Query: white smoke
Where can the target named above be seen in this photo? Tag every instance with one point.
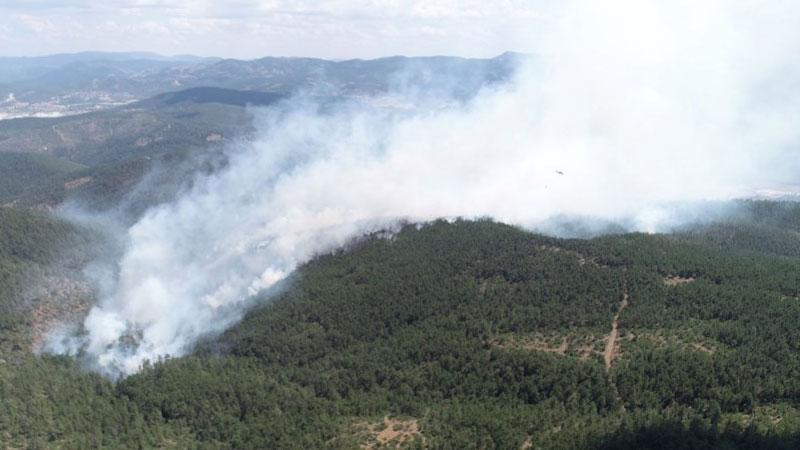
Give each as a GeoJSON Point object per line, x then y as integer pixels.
{"type": "Point", "coordinates": [632, 107]}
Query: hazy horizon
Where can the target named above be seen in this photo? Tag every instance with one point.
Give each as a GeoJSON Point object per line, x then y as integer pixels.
{"type": "Point", "coordinates": [146, 53]}
{"type": "Point", "coordinates": [247, 29]}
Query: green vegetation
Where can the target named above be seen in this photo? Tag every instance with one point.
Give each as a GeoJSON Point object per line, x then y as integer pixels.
{"type": "Point", "coordinates": [756, 226]}
{"type": "Point", "coordinates": [148, 129]}
{"type": "Point", "coordinates": [32, 247]}
{"type": "Point", "coordinates": [450, 335]}
{"type": "Point", "coordinates": [446, 336]}
{"type": "Point", "coordinates": [22, 173]}
{"type": "Point", "coordinates": [97, 159]}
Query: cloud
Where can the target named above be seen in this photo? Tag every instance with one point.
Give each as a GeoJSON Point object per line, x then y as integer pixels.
{"type": "Point", "coordinates": [353, 28]}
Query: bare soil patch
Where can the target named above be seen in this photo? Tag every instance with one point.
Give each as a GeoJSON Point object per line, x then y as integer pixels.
{"type": "Point", "coordinates": [76, 183]}
{"type": "Point", "coordinates": [685, 341]}
{"type": "Point", "coordinates": [701, 348]}
{"type": "Point", "coordinates": [534, 343]}
{"type": "Point", "coordinates": [578, 343]}
{"type": "Point", "coordinates": [390, 433]}
{"type": "Point", "coordinates": [482, 289]}
{"type": "Point", "coordinates": [675, 280]}
{"type": "Point", "coordinates": [582, 259]}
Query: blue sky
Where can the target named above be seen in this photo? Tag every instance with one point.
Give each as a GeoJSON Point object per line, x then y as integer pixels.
{"type": "Point", "coordinates": [253, 28]}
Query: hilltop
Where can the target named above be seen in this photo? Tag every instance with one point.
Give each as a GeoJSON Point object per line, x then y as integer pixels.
{"type": "Point", "coordinates": [465, 334]}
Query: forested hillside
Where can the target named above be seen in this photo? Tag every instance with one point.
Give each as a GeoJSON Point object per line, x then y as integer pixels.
{"type": "Point", "coordinates": [27, 175]}
{"type": "Point", "coordinates": [99, 159]}
{"type": "Point", "coordinates": [468, 335]}
{"type": "Point", "coordinates": [40, 258]}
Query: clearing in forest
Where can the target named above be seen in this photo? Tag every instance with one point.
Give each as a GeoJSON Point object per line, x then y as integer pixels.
{"type": "Point", "coordinates": [581, 343]}
{"type": "Point", "coordinates": [389, 433]}
{"type": "Point", "coordinates": [675, 280]}
{"type": "Point", "coordinates": [684, 339]}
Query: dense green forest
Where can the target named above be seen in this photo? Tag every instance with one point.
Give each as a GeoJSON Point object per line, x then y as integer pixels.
{"type": "Point", "coordinates": [470, 334]}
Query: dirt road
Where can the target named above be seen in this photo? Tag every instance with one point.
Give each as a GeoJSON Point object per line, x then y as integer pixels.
{"type": "Point", "coordinates": [611, 342]}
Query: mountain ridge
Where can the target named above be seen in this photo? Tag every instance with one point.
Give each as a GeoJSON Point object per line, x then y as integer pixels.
{"type": "Point", "coordinates": [67, 88]}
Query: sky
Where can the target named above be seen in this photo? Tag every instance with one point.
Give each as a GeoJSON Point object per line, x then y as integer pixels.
{"type": "Point", "coordinates": [254, 28]}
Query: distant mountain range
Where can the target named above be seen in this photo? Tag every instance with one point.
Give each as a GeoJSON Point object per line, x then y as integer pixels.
{"type": "Point", "coordinates": [88, 126]}
{"type": "Point", "coordinates": [15, 69]}
{"type": "Point", "coordinates": [75, 83]}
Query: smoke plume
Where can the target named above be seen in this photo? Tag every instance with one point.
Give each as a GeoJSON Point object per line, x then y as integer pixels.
{"type": "Point", "coordinates": [630, 111]}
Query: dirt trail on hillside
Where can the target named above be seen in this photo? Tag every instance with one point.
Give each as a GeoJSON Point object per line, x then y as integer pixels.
{"type": "Point", "coordinates": [611, 343]}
